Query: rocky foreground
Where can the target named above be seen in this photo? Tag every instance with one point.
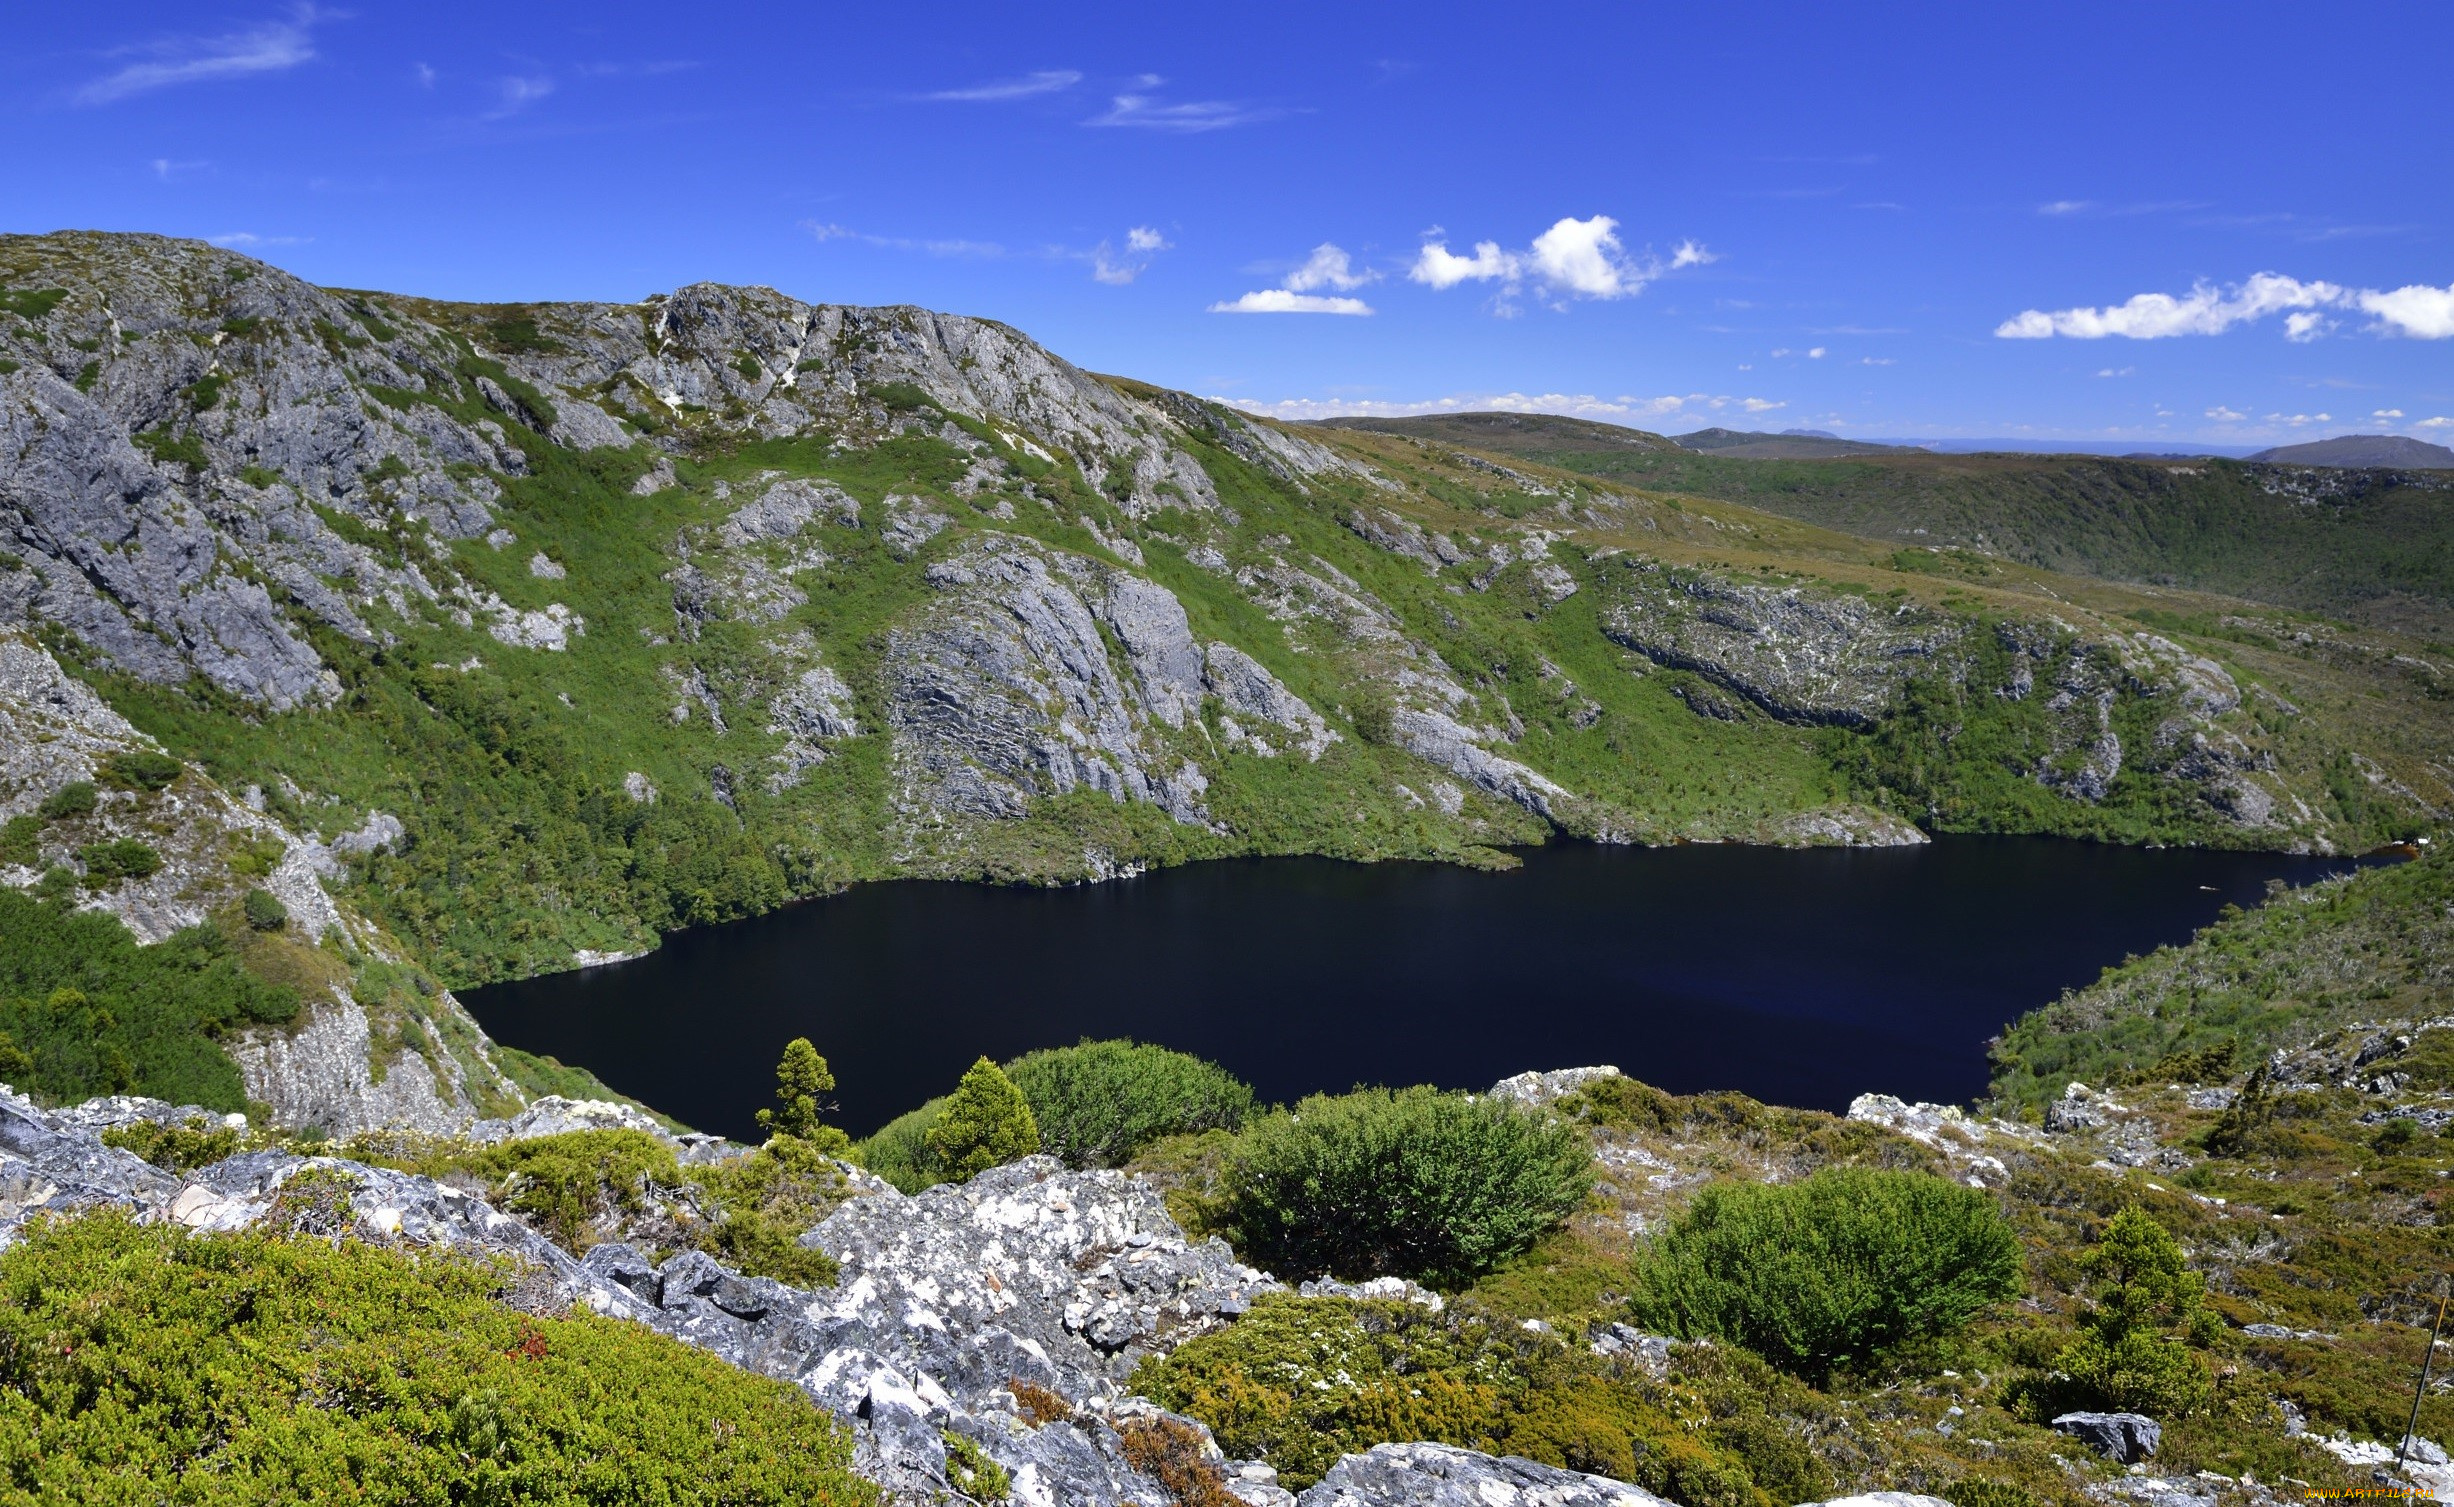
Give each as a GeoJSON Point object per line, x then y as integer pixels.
{"type": "Point", "coordinates": [1008, 1311]}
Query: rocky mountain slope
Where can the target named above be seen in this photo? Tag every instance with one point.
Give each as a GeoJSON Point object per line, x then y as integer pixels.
{"type": "Point", "coordinates": [528, 632]}
{"type": "Point", "coordinates": [2364, 450]}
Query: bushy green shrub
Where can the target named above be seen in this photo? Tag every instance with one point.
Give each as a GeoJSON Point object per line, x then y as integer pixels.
{"type": "Point", "coordinates": [77, 798]}
{"type": "Point", "coordinates": [986, 1123]}
{"type": "Point", "coordinates": [21, 840]}
{"type": "Point", "coordinates": [141, 769]}
{"type": "Point", "coordinates": [175, 1148]}
{"type": "Point", "coordinates": [2134, 1355]}
{"type": "Point", "coordinates": [144, 1363]}
{"type": "Point", "coordinates": [107, 863]}
{"type": "Point", "coordinates": [1832, 1270]}
{"type": "Point", "coordinates": [1100, 1103]}
{"type": "Point", "coordinates": [264, 910]}
{"type": "Point", "coordinates": [1413, 1183]}
{"type": "Point", "coordinates": [899, 1150]}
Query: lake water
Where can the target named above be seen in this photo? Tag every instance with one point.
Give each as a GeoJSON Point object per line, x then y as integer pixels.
{"type": "Point", "coordinates": [1802, 978]}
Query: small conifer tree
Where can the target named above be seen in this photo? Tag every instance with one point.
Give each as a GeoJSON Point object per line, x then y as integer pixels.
{"type": "Point", "coordinates": [801, 1085]}
{"type": "Point", "coordinates": [2150, 1309]}
{"type": "Point", "coordinates": [987, 1123]}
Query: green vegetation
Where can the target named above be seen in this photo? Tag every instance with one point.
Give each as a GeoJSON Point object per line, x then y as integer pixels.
{"type": "Point", "coordinates": [971, 1472]}
{"type": "Point", "coordinates": [2134, 1352]}
{"type": "Point", "coordinates": [98, 1014]}
{"type": "Point", "coordinates": [146, 1363]}
{"type": "Point", "coordinates": [2372, 541]}
{"type": "Point", "coordinates": [107, 863]}
{"type": "Point", "coordinates": [802, 1083]}
{"type": "Point", "coordinates": [264, 911]}
{"type": "Point", "coordinates": [1300, 1381]}
{"type": "Point", "coordinates": [899, 1150]}
{"type": "Point", "coordinates": [140, 769]}
{"type": "Point", "coordinates": [2364, 947]}
{"type": "Point", "coordinates": [585, 1187]}
{"type": "Point", "coordinates": [986, 1123]}
{"type": "Point", "coordinates": [1831, 1271]}
{"type": "Point", "coordinates": [31, 303]}
{"type": "Point", "coordinates": [1098, 1104]}
{"type": "Point", "coordinates": [175, 1148]}
{"type": "Point", "coordinates": [1413, 1183]}
{"type": "Point", "coordinates": [76, 798]}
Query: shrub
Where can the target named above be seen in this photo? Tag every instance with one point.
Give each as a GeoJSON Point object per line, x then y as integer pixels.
{"type": "Point", "coordinates": [899, 1150]}
{"type": "Point", "coordinates": [1412, 1183]}
{"type": "Point", "coordinates": [141, 769]}
{"type": "Point", "coordinates": [264, 910]}
{"type": "Point", "coordinates": [73, 799]}
{"type": "Point", "coordinates": [1832, 1270]}
{"type": "Point", "coordinates": [971, 1472]}
{"type": "Point", "coordinates": [1170, 1452]}
{"type": "Point", "coordinates": [20, 840]}
{"type": "Point", "coordinates": [107, 863]}
{"type": "Point", "coordinates": [986, 1123]}
{"type": "Point", "coordinates": [2134, 1355]}
{"type": "Point", "coordinates": [1098, 1104]}
{"type": "Point", "coordinates": [174, 1148]}
{"type": "Point", "coordinates": [145, 1363]}
{"type": "Point", "coordinates": [802, 1082]}
{"type": "Point", "coordinates": [770, 1198]}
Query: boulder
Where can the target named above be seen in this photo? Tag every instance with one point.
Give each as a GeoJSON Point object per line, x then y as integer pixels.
{"type": "Point", "coordinates": [1442, 1475]}
{"type": "Point", "coordinates": [2126, 1437]}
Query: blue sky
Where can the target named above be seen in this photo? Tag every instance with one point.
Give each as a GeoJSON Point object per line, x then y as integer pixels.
{"type": "Point", "coordinates": [2163, 223]}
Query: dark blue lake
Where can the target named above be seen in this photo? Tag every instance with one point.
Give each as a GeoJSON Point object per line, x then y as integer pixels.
{"type": "Point", "coordinates": [1802, 978]}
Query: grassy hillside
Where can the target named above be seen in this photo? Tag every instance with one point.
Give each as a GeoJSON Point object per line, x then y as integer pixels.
{"type": "Point", "coordinates": [2374, 546]}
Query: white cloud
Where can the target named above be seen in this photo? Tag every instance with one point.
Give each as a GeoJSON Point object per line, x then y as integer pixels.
{"type": "Point", "coordinates": [1047, 81]}
{"type": "Point", "coordinates": [1328, 267]}
{"type": "Point", "coordinates": [1573, 259]}
{"type": "Point", "coordinates": [1141, 244]}
{"type": "Point", "coordinates": [270, 48]}
{"type": "Point", "coordinates": [1572, 405]}
{"type": "Point", "coordinates": [2204, 310]}
{"type": "Point", "coordinates": [1440, 267]}
{"type": "Point", "coordinates": [1148, 112]}
{"type": "Point", "coordinates": [250, 238]}
{"type": "Point", "coordinates": [512, 95]}
{"type": "Point", "coordinates": [1877, 361]}
{"type": "Point", "coordinates": [1815, 354]}
{"type": "Point", "coordinates": [2117, 371]}
{"type": "Point", "coordinates": [2439, 422]}
{"type": "Point", "coordinates": [2066, 207]}
{"type": "Point", "coordinates": [1282, 301]}
{"type": "Point", "coordinates": [987, 250]}
{"type": "Point", "coordinates": [2418, 310]}
{"type": "Point", "coordinates": [425, 75]}
{"type": "Point", "coordinates": [170, 169]}
{"type": "Point", "coordinates": [2387, 413]}
{"type": "Point", "coordinates": [2297, 419]}
{"type": "Point", "coordinates": [2223, 415]}
{"type": "Point", "coordinates": [2306, 326]}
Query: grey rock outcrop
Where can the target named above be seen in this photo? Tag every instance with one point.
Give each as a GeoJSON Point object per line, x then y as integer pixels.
{"type": "Point", "coordinates": [2125, 1437]}
{"type": "Point", "coordinates": [1442, 1475]}
{"type": "Point", "coordinates": [1001, 687]}
{"type": "Point", "coordinates": [1802, 656]}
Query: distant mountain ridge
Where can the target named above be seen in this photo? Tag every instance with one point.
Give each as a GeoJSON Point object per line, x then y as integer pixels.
{"type": "Point", "coordinates": [2364, 450]}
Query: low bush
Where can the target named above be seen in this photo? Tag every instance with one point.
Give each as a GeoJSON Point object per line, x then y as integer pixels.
{"type": "Point", "coordinates": [1100, 1103]}
{"type": "Point", "coordinates": [264, 910]}
{"type": "Point", "coordinates": [175, 1148]}
{"type": "Point", "coordinates": [1830, 1271]}
{"type": "Point", "coordinates": [76, 798]}
{"type": "Point", "coordinates": [107, 863]}
{"type": "Point", "coordinates": [899, 1150]}
{"type": "Point", "coordinates": [1413, 1183]}
{"type": "Point", "coordinates": [21, 840]}
{"type": "Point", "coordinates": [145, 1363]}
{"type": "Point", "coordinates": [141, 769]}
